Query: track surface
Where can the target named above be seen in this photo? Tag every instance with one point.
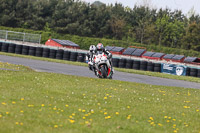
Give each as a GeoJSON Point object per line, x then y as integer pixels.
{"type": "Point", "coordinates": [44, 66]}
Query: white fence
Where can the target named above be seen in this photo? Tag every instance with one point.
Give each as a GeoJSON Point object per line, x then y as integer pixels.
{"type": "Point", "coordinates": [20, 36]}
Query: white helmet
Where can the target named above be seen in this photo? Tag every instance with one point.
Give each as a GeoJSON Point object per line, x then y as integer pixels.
{"type": "Point", "coordinates": [92, 48]}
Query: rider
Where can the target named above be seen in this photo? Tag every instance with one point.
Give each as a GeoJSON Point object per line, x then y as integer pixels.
{"type": "Point", "coordinates": [90, 56]}
{"type": "Point", "coordinates": [101, 49]}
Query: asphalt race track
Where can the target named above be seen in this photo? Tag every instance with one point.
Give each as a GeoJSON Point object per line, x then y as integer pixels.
{"type": "Point", "coordinates": [44, 66]}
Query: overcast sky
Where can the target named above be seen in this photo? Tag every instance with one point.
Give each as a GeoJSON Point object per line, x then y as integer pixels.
{"type": "Point", "coordinates": [184, 5]}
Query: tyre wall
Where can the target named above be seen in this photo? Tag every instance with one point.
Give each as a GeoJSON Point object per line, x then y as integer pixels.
{"type": "Point", "coordinates": [81, 57]}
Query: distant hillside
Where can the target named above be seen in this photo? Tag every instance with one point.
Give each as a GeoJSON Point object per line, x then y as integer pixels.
{"type": "Point", "coordinates": [98, 3]}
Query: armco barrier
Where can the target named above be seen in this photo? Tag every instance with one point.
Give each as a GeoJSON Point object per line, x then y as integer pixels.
{"type": "Point", "coordinates": [80, 57]}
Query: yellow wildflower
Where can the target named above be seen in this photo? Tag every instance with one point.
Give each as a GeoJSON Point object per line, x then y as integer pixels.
{"type": "Point", "coordinates": [42, 105]}
{"type": "Point", "coordinates": [55, 126]}
{"type": "Point", "coordinates": [13, 102]}
{"type": "Point", "coordinates": [22, 99]}
{"type": "Point", "coordinates": [117, 113]}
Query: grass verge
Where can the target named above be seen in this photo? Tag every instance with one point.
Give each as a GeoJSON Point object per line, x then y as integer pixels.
{"type": "Point", "coordinates": [46, 102]}
{"type": "Point", "coordinates": [155, 74]}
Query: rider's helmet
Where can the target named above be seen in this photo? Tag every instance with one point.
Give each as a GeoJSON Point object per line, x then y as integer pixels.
{"type": "Point", "coordinates": [100, 47]}
{"type": "Point", "coordinates": [92, 48]}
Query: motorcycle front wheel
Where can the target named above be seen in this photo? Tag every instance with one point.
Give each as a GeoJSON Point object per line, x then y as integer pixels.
{"type": "Point", "coordinates": [104, 72]}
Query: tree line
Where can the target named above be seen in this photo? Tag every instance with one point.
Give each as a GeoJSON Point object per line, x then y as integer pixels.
{"type": "Point", "coordinates": [141, 24]}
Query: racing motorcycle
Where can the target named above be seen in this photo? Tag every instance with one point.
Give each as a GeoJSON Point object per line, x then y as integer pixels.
{"type": "Point", "coordinates": [103, 67]}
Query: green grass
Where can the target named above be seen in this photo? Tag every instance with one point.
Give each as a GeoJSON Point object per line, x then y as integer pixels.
{"type": "Point", "coordinates": [155, 74]}
{"type": "Point", "coordinates": [46, 102]}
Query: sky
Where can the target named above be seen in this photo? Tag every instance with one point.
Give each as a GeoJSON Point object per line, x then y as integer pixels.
{"type": "Point", "coordinates": [184, 5]}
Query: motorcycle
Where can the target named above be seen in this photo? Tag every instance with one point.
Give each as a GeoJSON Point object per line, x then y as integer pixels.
{"type": "Point", "coordinates": [103, 67]}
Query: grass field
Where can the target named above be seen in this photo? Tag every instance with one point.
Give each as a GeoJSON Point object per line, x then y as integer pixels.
{"type": "Point", "coordinates": [45, 102]}
{"type": "Point", "coordinates": [155, 74]}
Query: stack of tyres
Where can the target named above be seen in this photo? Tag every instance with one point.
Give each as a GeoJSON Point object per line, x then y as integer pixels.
{"type": "Point", "coordinates": [150, 66]}
{"type": "Point", "coordinates": [73, 56]}
{"type": "Point", "coordinates": [0, 45]}
{"type": "Point", "coordinates": [66, 55]}
{"type": "Point", "coordinates": [32, 51]}
{"type": "Point", "coordinates": [45, 52]}
{"type": "Point", "coordinates": [129, 64]}
{"type": "Point", "coordinates": [18, 49]}
{"type": "Point", "coordinates": [198, 73]}
{"type": "Point", "coordinates": [136, 64]}
{"type": "Point", "coordinates": [4, 47]}
{"type": "Point", "coordinates": [143, 65]}
{"type": "Point", "coordinates": [122, 63]}
{"type": "Point", "coordinates": [25, 50]}
{"type": "Point", "coordinates": [59, 54]}
{"type": "Point", "coordinates": [52, 53]}
{"type": "Point", "coordinates": [80, 57]}
{"type": "Point", "coordinates": [187, 71]}
{"type": "Point", "coordinates": [115, 62]}
{"type": "Point", "coordinates": [193, 72]}
{"type": "Point", "coordinates": [11, 48]}
{"type": "Point", "coordinates": [157, 67]}
{"type": "Point", "coordinates": [39, 51]}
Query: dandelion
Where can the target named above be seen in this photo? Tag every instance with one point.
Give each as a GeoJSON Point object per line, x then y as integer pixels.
{"type": "Point", "coordinates": [66, 105]}
{"type": "Point", "coordinates": [197, 110]}
{"type": "Point", "coordinates": [79, 110]}
{"type": "Point", "coordinates": [151, 118]}
{"type": "Point", "coordinates": [128, 107]}
{"type": "Point", "coordinates": [13, 102]}
{"type": "Point", "coordinates": [159, 124]}
{"type": "Point", "coordinates": [22, 99]}
{"type": "Point", "coordinates": [168, 121]}
{"type": "Point", "coordinates": [84, 117]}
{"type": "Point", "coordinates": [0, 116]}
{"type": "Point", "coordinates": [175, 131]}
{"type": "Point", "coordinates": [169, 117]}
{"type": "Point", "coordinates": [174, 119]}
{"type": "Point", "coordinates": [7, 113]}
{"type": "Point", "coordinates": [70, 116]}
{"type": "Point", "coordinates": [105, 98]}
{"type": "Point", "coordinates": [117, 113]}
{"type": "Point", "coordinates": [17, 123]}
{"type": "Point", "coordinates": [86, 122]}
{"type": "Point", "coordinates": [54, 108]}
{"type": "Point", "coordinates": [105, 113]}
{"type": "Point", "coordinates": [109, 117]}
{"type": "Point", "coordinates": [165, 117]}
{"type": "Point", "coordinates": [3, 103]}
{"type": "Point", "coordinates": [73, 114]}
{"type": "Point", "coordinates": [55, 126]}
{"type": "Point", "coordinates": [72, 121]}
{"type": "Point", "coordinates": [21, 123]}
{"type": "Point", "coordinates": [83, 111]}
{"type": "Point", "coordinates": [42, 105]}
